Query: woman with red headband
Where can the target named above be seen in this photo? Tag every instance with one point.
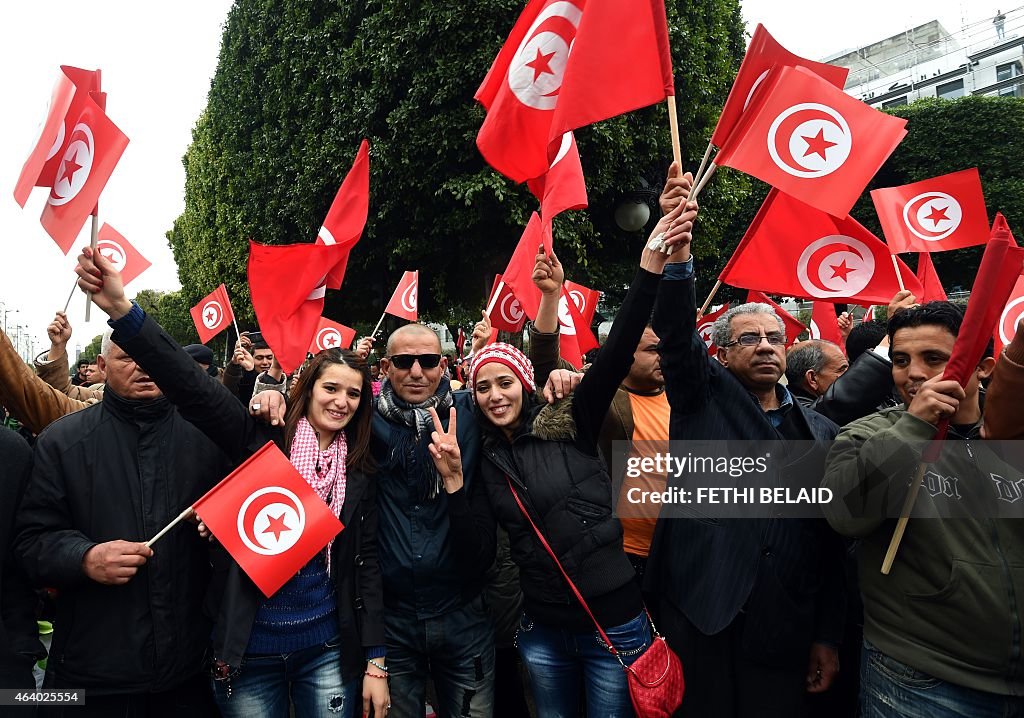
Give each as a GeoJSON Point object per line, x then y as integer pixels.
{"type": "Point", "coordinates": [547, 457]}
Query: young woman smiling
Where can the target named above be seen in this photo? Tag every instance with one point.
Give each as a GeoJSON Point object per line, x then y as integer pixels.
{"type": "Point", "coordinates": [549, 456]}
{"type": "Point", "coordinates": [317, 643]}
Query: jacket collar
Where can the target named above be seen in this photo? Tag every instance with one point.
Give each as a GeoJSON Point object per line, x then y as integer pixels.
{"type": "Point", "coordinates": [135, 410]}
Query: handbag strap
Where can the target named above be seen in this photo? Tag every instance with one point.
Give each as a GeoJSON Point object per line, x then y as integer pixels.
{"type": "Point", "coordinates": [579, 596]}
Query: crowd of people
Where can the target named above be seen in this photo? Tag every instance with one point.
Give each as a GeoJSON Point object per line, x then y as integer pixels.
{"type": "Point", "coordinates": [473, 515]}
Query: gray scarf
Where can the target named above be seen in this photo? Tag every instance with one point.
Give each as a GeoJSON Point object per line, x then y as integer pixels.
{"type": "Point", "coordinates": [395, 409]}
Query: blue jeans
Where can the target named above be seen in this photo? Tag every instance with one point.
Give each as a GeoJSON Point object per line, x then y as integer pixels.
{"type": "Point", "coordinates": [890, 689]}
{"type": "Point", "coordinates": [557, 661]}
{"type": "Point", "coordinates": [310, 677]}
{"type": "Point", "coordinates": [456, 650]}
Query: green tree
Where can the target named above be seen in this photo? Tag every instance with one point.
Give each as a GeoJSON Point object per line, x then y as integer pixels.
{"type": "Point", "coordinates": [300, 82]}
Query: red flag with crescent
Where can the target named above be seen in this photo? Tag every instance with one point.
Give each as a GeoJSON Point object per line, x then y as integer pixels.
{"type": "Point", "coordinates": [929, 279]}
{"type": "Point", "coordinates": [555, 74]}
{"type": "Point", "coordinates": [810, 140]}
{"type": "Point", "coordinates": [705, 326]}
{"type": "Point", "coordinates": [286, 284]}
{"type": "Point", "coordinates": [576, 309]}
{"type": "Point", "coordinates": [562, 187]}
{"type": "Point", "coordinates": [1010, 318]}
{"type": "Point", "coordinates": [346, 218]}
{"type": "Point", "coordinates": [268, 518]}
{"type": "Point", "coordinates": [94, 146]}
{"type": "Point", "coordinates": [405, 301]}
{"type": "Point", "coordinates": [331, 335]}
{"type": "Point", "coordinates": [518, 276]}
{"type": "Point", "coordinates": [213, 314]}
{"type": "Point", "coordinates": [794, 327]}
{"type": "Point", "coordinates": [794, 250]}
{"type": "Point", "coordinates": [934, 215]}
{"type": "Point", "coordinates": [119, 251]}
{"type": "Point", "coordinates": [66, 105]}
{"type": "Point", "coordinates": [763, 52]}
{"type": "Point", "coordinates": [506, 313]}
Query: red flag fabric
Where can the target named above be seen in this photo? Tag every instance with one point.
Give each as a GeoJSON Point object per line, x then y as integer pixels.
{"type": "Point", "coordinates": [934, 215]}
{"type": "Point", "coordinates": [213, 314]}
{"type": "Point", "coordinates": [286, 283]}
{"type": "Point", "coordinates": [825, 324]}
{"type": "Point", "coordinates": [268, 518]}
{"type": "Point", "coordinates": [794, 327]}
{"type": "Point", "coordinates": [66, 105]}
{"type": "Point", "coordinates": [810, 140]}
{"type": "Point", "coordinates": [869, 314]}
{"type": "Point", "coordinates": [794, 250]}
{"type": "Point", "coordinates": [933, 291]}
{"type": "Point", "coordinates": [460, 344]}
{"type": "Point", "coordinates": [347, 216]}
{"type": "Point", "coordinates": [518, 275]}
{"type": "Point", "coordinates": [1006, 330]}
{"type": "Point", "coordinates": [126, 259]}
{"type": "Point", "coordinates": [506, 312]}
{"type": "Point", "coordinates": [763, 52]}
{"type": "Point", "coordinates": [555, 73]}
{"type": "Point", "coordinates": [562, 187]}
{"type": "Point", "coordinates": [405, 300]}
{"type": "Point", "coordinates": [705, 324]}
{"type": "Point", "coordinates": [331, 335]}
{"type": "Point", "coordinates": [574, 335]}
{"type": "Point", "coordinates": [585, 299]}
{"type": "Point", "coordinates": [94, 146]}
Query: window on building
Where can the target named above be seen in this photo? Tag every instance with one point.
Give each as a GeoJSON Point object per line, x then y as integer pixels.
{"type": "Point", "coordinates": [894, 103]}
{"type": "Point", "coordinates": [950, 90]}
{"type": "Point", "coordinates": [1011, 91]}
{"type": "Point", "coordinates": [1007, 71]}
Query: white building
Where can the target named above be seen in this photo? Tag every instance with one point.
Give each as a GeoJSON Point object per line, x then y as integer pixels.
{"type": "Point", "coordinates": [984, 58]}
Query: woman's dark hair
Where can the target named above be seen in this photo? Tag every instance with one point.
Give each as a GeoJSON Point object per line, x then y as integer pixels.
{"type": "Point", "coordinates": [357, 432]}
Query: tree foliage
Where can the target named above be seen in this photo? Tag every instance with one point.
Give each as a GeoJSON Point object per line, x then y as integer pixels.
{"type": "Point", "coordinates": [300, 82]}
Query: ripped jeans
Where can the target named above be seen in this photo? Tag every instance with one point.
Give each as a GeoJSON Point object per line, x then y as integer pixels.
{"type": "Point", "coordinates": [312, 677]}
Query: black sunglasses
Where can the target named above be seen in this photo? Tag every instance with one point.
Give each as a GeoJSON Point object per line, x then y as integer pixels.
{"type": "Point", "coordinates": [405, 361]}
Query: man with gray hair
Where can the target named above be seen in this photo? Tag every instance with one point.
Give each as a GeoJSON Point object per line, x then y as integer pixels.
{"type": "Point", "coordinates": [812, 367]}
{"type": "Point", "coordinates": [754, 607]}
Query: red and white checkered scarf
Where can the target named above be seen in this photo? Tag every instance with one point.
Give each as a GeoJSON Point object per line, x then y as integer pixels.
{"type": "Point", "coordinates": [329, 482]}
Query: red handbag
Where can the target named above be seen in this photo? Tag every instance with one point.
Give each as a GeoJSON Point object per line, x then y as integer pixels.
{"type": "Point", "coordinates": [655, 678]}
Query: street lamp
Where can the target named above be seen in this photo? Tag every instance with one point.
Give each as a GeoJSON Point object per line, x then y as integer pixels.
{"type": "Point", "coordinates": [633, 210]}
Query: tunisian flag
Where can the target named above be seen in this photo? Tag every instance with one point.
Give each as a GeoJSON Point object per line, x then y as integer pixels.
{"type": "Point", "coordinates": [705, 325]}
{"type": "Point", "coordinates": [825, 324]}
{"type": "Point", "coordinates": [763, 52]}
{"type": "Point", "coordinates": [213, 314]}
{"type": "Point", "coordinates": [94, 146]}
{"type": "Point", "coordinates": [286, 283]}
{"type": "Point", "coordinates": [810, 140]}
{"type": "Point", "coordinates": [566, 64]}
{"type": "Point", "coordinates": [331, 335]}
{"type": "Point", "coordinates": [929, 279]}
{"type": "Point", "coordinates": [119, 251]}
{"type": "Point", "coordinates": [268, 518]}
{"type": "Point", "coordinates": [794, 327]}
{"type": "Point", "coordinates": [506, 313]}
{"type": "Point", "coordinates": [576, 308]}
{"type": "Point", "coordinates": [518, 275]}
{"type": "Point", "coordinates": [562, 187]}
{"type": "Point", "coordinates": [405, 301]}
{"type": "Point", "coordinates": [794, 250]}
{"type": "Point", "coordinates": [933, 215]}
{"type": "Point", "coordinates": [1006, 330]}
{"type": "Point", "coordinates": [346, 218]}
{"type": "Point", "coordinates": [66, 105]}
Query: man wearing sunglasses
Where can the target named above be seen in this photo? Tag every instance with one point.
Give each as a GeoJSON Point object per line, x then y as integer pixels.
{"type": "Point", "coordinates": [436, 538]}
{"type": "Point", "coordinates": [753, 607]}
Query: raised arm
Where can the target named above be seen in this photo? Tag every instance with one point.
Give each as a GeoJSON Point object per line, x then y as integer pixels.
{"type": "Point", "coordinates": [30, 400]}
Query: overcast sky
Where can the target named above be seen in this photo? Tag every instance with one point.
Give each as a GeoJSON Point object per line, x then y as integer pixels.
{"type": "Point", "coordinates": [157, 61]}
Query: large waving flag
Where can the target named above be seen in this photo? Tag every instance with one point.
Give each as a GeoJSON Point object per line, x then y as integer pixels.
{"type": "Point", "coordinates": [934, 215]}
{"type": "Point", "coordinates": [268, 518]}
{"type": "Point", "coordinates": [566, 64]}
{"type": "Point", "coordinates": [94, 146]}
{"type": "Point", "coordinates": [763, 52]}
{"type": "Point", "coordinates": [66, 105]}
{"type": "Point", "coordinates": [810, 140]}
{"type": "Point", "coordinates": [346, 218]}
{"type": "Point", "coordinates": [792, 249]}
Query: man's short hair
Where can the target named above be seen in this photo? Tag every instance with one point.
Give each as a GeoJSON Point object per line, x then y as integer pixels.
{"type": "Point", "coordinates": [722, 333]}
{"type": "Point", "coordinates": [943, 314]}
{"type": "Point", "coordinates": [84, 362]}
{"type": "Point", "coordinates": [804, 357]}
{"type": "Point", "coordinates": [260, 345]}
{"type": "Point", "coordinates": [864, 337]}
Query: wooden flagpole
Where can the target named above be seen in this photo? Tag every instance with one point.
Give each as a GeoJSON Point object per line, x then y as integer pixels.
{"type": "Point", "coordinates": [494, 298]}
{"type": "Point", "coordinates": [703, 163]}
{"type": "Point", "coordinates": [673, 126]}
{"type": "Point", "coordinates": [901, 525]}
{"type": "Point", "coordinates": [71, 296]}
{"type": "Point", "coordinates": [899, 276]}
{"type": "Point", "coordinates": [707, 302]}
{"type": "Point", "coordinates": [374, 332]}
{"type": "Point", "coordinates": [181, 517]}
{"type": "Point", "coordinates": [92, 243]}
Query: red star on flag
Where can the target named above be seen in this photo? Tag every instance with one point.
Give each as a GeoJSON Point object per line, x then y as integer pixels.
{"type": "Point", "coordinates": [69, 167]}
{"type": "Point", "coordinates": [211, 315]}
{"type": "Point", "coordinates": [817, 145]}
{"type": "Point", "coordinates": [840, 270]}
{"type": "Point", "coordinates": [277, 527]}
{"type": "Point", "coordinates": [541, 65]}
{"type": "Point", "coordinates": [938, 215]}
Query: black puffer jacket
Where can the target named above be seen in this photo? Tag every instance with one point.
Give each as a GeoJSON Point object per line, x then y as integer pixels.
{"type": "Point", "coordinates": [556, 468]}
{"type": "Point", "coordinates": [120, 470]}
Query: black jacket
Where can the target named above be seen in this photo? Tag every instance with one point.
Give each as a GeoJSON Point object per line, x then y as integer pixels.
{"type": "Point", "coordinates": [120, 470]}
{"type": "Point", "coordinates": [785, 574]}
{"type": "Point", "coordinates": [19, 636]}
{"type": "Point", "coordinates": [234, 599]}
{"type": "Point", "coordinates": [556, 467]}
{"type": "Point", "coordinates": [866, 387]}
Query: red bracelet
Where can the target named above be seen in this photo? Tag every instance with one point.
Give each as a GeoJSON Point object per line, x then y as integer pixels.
{"type": "Point", "coordinates": [374, 675]}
